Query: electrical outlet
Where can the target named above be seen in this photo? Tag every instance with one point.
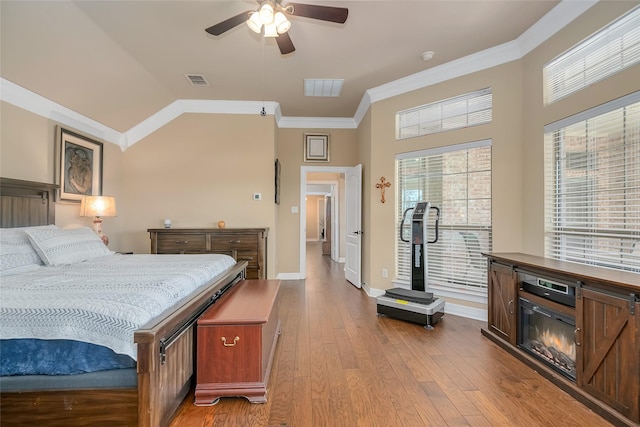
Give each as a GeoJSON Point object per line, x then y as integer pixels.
{"type": "Point", "coordinates": [385, 273]}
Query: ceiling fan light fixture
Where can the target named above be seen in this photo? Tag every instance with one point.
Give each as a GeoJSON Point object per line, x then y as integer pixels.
{"type": "Point", "coordinates": [266, 14]}
{"type": "Point", "coordinates": [255, 23]}
{"type": "Point", "coordinates": [270, 30]}
{"type": "Point", "coordinates": [281, 22]}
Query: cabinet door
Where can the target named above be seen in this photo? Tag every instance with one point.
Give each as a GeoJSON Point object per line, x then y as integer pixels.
{"type": "Point", "coordinates": [608, 363]}
{"type": "Point", "coordinates": [502, 301]}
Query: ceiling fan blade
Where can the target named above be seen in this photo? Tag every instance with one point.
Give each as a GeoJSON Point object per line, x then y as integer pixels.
{"type": "Point", "coordinates": [285, 44]}
{"type": "Point", "coordinates": [228, 24]}
{"type": "Point", "coordinates": [324, 13]}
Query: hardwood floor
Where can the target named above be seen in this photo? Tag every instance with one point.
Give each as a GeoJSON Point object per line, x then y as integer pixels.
{"type": "Point", "coordinates": [338, 364]}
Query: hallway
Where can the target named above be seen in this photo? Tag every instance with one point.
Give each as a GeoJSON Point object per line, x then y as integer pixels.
{"type": "Point", "coordinates": [338, 364]}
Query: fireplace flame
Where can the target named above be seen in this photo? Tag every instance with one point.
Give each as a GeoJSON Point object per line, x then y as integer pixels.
{"type": "Point", "coordinates": [559, 342]}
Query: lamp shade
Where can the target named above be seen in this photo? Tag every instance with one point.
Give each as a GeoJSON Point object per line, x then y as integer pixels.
{"type": "Point", "coordinates": [254, 22]}
{"type": "Point", "coordinates": [266, 14]}
{"type": "Point", "coordinates": [282, 23]}
{"type": "Point", "coordinates": [98, 206]}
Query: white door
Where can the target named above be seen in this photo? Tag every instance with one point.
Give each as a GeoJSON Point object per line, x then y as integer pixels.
{"type": "Point", "coordinates": [352, 268]}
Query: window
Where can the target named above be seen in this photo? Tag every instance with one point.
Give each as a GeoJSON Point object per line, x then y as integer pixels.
{"type": "Point", "coordinates": [592, 186]}
{"type": "Point", "coordinates": [474, 108]}
{"type": "Point", "coordinates": [457, 179]}
{"type": "Point", "coordinates": [612, 49]}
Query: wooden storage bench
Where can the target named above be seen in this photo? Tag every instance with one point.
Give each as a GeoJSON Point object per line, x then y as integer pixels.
{"type": "Point", "coordinates": [237, 339]}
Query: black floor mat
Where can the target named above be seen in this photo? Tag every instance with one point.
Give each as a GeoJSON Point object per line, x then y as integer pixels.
{"type": "Point", "coordinates": [419, 297]}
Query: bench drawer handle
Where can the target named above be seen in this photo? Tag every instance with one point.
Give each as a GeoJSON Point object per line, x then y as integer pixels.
{"type": "Point", "coordinates": [235, 341]}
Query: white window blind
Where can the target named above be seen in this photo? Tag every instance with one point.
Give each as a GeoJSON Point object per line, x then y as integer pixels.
{"type": "Point", "coordinates": [592, 186]}
{"type": "Point", "coordinates": [466, 110]}
{"type": "Point", "coordinates": [457, 179]}
{"type": "Point", "coordinates": [601, 55]}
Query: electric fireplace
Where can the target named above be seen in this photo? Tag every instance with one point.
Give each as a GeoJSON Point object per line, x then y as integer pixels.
{"type": "Point", "coordinates": [545, 332]}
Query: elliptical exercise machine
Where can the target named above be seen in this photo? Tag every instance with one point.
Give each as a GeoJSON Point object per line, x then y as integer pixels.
{"type": "Point", "coordinates": [415, 304]}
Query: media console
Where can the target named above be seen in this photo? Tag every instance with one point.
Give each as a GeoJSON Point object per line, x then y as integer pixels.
{"type": "Point", "coordinates": [577, 325]}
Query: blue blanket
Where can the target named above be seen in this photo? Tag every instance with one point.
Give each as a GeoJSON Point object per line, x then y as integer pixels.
{"type": "Point", "coordinates": [43, 357]}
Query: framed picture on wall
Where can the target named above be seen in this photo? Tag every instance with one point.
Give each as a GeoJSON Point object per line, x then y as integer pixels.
{"type": "Point", "coordinates": [316, 148]}
{"type": "Point", "coordinates": [78, 165]}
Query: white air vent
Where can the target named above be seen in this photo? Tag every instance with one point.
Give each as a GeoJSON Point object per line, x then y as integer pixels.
{"type": "Point", "coordinates": [197, 79]}
{"type": "Point", "coordinates": [323, 87]}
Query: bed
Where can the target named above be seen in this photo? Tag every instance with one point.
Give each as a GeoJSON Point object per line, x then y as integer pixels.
{"type": "Point", "coordinates": [156, 352]}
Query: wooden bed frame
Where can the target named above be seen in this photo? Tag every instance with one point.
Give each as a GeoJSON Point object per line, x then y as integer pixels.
{"type": "Point", "coordinates": [166, 346]}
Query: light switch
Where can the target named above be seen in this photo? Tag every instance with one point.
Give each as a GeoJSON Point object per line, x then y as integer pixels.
{"type": "Point", "coordinates": [294, 209]}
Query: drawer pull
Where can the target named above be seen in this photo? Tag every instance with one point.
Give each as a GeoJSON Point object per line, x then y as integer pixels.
{"type": "Point", "coordinates": [235, 341]}
{"type": "Point", "coordinates": [234, 241]}
{"type": "Point", "coordinates": [181, 242]}
{"type": "Point", "coordinates": [246, 258]}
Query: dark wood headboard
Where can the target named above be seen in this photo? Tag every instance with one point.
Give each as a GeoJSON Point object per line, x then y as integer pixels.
{"type": "Point", "coordinates": [26, 203]}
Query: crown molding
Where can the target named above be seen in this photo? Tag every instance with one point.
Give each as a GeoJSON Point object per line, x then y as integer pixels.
{"type": "Point", "coordinates": [37, 104]}
{"type": "Point", "coordinates": [199, 106]}
{"type": "Point", "coordinates": [556, 19]}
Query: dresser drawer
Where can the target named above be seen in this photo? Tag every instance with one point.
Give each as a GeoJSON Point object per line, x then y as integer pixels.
{"type": "Point", "coordinates": [181, 243]}
{"type": "Point", "coordinates": [239, 242]}
{"type": "Point", "coordinates": [249, 256]}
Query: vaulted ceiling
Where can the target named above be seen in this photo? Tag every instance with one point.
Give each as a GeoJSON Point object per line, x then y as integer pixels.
{"type": "Point", "coordinates": [120, 62]}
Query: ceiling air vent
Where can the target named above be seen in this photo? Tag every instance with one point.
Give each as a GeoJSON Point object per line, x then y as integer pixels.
{"type": "Point", "coordinates": [323, 87]}
{"type": "Point", "coordinates": [197, 79]}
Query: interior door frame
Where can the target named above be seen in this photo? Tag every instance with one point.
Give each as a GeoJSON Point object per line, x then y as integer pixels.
{"type": "Point", "coordinates": [304, 170]}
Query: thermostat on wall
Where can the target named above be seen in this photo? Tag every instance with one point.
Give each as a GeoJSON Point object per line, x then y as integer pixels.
{"type": "Point", "coordinates": [257, 196]}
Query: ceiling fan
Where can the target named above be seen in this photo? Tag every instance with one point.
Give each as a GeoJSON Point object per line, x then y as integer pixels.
{"type": "Point", "coordinates": [272, 16]}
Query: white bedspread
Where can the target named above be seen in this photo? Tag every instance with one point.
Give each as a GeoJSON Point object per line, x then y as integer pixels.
{"type": "Point", "coordinates": [102, 301]}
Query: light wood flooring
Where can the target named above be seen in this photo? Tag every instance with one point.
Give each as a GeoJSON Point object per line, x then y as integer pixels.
{"type": "Point", "coordinates": [338, 364]}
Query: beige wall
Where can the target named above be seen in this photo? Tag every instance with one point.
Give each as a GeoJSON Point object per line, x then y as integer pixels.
{"type": "Point", "coordinates": [289, 148]}
{"type": "Point", "coordinates": [196, 170]}
{"type": "Point", "coordinates": [313, 215]}
{"type": "Point", "coordinates": [517, 137]}
{"type": "Point", "coordinates": [365, 141]}
{"type": "Point", "coordinates": [202, 168]}
{"type": "Point", "coordinates": [27, 151]}
{"type": "Point", "coordinates": [505, 133]}
{"type": "Point", "coordinates": [537, 115]}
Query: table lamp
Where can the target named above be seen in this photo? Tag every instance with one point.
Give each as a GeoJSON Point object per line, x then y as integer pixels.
{"type": "Point", "coordinates": [98, 207]}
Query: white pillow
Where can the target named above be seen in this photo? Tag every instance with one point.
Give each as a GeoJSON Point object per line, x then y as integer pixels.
{"type": "Point", "coordinates": [17, 255]}
{"type": "Point", "coordinates": [59, 247]}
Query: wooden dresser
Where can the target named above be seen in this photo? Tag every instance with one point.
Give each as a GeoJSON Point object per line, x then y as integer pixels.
{"type": "Point", "coordinates": [236, 344]}
{"type": "Point", "coordinates": [245, 244]}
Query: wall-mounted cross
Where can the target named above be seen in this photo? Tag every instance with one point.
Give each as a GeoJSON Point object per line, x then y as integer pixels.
{"type": "Point", "coordinates": [382, 185]}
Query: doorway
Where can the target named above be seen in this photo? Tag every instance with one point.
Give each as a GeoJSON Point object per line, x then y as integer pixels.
{"type": "Point", "coordinates": [336, 178]}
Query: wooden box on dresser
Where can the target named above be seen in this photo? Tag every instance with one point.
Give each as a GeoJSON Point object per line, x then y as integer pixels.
{"type": "Point", "coordinates": [236, 343]}
{"type": "Point", "coordinates": [246, 244]}
{"type": "Point", "coordinates": [606, 335]}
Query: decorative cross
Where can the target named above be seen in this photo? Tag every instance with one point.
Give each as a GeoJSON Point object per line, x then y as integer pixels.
{"type": "Point", "coordinates": [382, 185]}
